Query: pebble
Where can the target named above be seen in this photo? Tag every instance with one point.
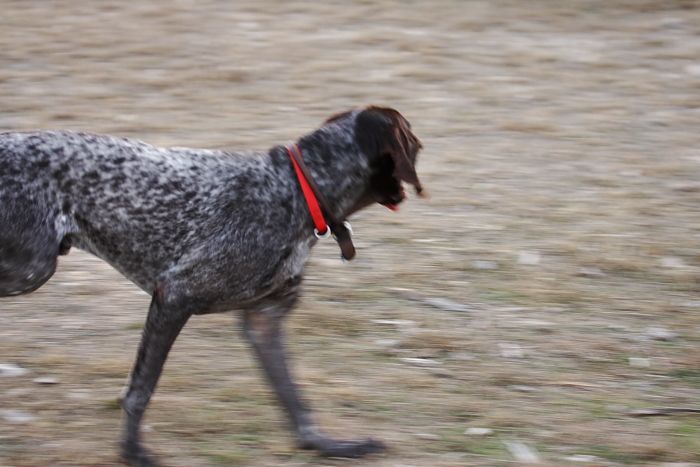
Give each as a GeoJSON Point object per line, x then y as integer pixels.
{"type": "Point", "coordinates": [441, 373]}
{"type": "Point", "coordinates": [437, 302]}
{"type": "Point", "coordinates": [423, 362]}
{"type": "Point", "coordinates": [79, 394]}
{"type": "Point", "coordinates": [445, 304]}
{"type": "Point", "coordinates": [399, 323]}
{"type": "Point", "coordinates": [511, 351]}
{"type": "Point", "coordinates": [484, 265]}
{"type": "Point", "coordinates": [16, 416]}
{"type": "Point", "coordinates": [521, 452]}
{"type": "Point", "coordinates": [660, 334]}
{"type": "Point", "coordinates": [529, 258]}
{"type": "Point", "coordinates": [639, 362]}
{"type": "Point", "coordinates": [45, 381]}
{"type": "Point", "coordinates": [10, 369]}
{"type": "Point", "coordinates": [591, 272]}
{"type": "Point", "coordinates": [582, 458]}
{"type": "Point", "coordinates": [672, 262]}
{"type": "Point", "coordinates": [522, 388]}
{"type": "Point", "coordinates": [693, 69]}
{"type": "Point", "coordinates": [387, 343]}
{"type": "Point", "coordinates": [478, 431]}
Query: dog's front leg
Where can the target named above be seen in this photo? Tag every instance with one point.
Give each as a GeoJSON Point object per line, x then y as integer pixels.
{"type": "Point", "coordinates": [163, 324]}
{"type": "Point", "coordinates": [262, 326]}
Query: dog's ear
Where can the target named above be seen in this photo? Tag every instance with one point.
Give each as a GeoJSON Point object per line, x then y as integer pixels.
{"type": "Point", "coordinates": [337, 116]}
{"type": "Point", "coordinates": [384, 132]}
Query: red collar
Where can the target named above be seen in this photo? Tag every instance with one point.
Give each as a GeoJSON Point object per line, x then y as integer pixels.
{"type": "Point", "coordinates": [317, 205]}
{"type": "Point", "coordinates": [321, 227]}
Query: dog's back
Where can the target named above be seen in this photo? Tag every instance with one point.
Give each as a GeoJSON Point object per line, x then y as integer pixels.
{"type": "Point", "coordinates": [139, 207]}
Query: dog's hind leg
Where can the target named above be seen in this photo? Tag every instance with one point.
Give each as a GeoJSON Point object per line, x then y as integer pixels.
{"type": "Point", "coordinates": [164, 322]}
{"type": "Point", "coordinates": [262, 326]}
{"type": "Point", "coordinates": [29, 246]}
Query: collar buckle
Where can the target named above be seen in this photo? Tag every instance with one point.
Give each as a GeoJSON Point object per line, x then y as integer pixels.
{"type": "Point", "coordinates": [318, 206]}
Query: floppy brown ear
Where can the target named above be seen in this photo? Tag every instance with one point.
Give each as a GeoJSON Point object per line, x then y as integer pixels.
{"type": "Point", "coordinates": [383, 131]}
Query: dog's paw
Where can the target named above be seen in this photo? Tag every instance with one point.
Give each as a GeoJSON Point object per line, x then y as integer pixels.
{"type": "Point", "coordinates": [336, 448]}
{"type": "Point", "coordinates": [137, 456]}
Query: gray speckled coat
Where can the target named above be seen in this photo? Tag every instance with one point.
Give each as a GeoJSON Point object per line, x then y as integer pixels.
{"type": "Point", "coordinates": [199, 230]}
{"type": "Point", "coordinates": [226, 227]}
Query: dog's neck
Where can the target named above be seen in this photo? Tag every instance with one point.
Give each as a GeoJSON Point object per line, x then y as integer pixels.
{"type": "Point", "coordinates": [339, 168]}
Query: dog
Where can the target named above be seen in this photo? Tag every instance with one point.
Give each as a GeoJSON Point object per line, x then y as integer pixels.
{"type": "Point", "coordinates": [201, 231]}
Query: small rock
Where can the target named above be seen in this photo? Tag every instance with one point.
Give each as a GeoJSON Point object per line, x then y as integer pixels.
{"type": "Point", "coordinates": [693, 69]}
{"type": "Point", "coordinates": [45, 381]}
{"type": "Point", "coordinates": [10, 369]}
{"type": "Point", "coordinates": [437, 302]}
{"type": "Point", "coordinates": [639, 362]}
{"type": "Point", "coordinates": [484, 265]}
{"type": "Point", "coordinates": [399, 323]}
{"type": "Point", "coordinates": [441, 373]}
{"type": "Point", "coordinates": [582, 458]}
{"type": "Point", "coordinates": [478, 431]}
{"type": "Point", "coordinates": [522, 388]}
{"type": "Point", "coordinates": [387, 343]}
{"type": "Point", "coordinates": [423, 362]}
{"type": "Point", "coordinates": [672, 262]}
{"type": "Point", "coordinates": [403, 292]}
{"type": "Point", "coordinates": [126, 117]}
{"type": "Point", "coordinates": [511, 351]}
{"type": "Point", "coordinates": [445, 304]}
{"type": "Point", "coordinates": [16, 416]}
{"type": "Point", "coordinates": [660, 334]}
{"type": "Point", "coordinates": [521, 452]}
{"type": "Point", "coordinates": [79, 394]}
{"type": "Point", "coordinates": [529, 258]}
{"type": "Point", "coordinates": [590, 272]}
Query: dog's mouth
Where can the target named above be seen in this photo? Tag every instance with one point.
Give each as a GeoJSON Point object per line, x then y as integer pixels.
{"type": "Point", "coordinates": [392, 202]}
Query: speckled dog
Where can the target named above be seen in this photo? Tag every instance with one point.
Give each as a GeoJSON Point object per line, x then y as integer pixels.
{"type": "Point", "coordinates": [201, 231]}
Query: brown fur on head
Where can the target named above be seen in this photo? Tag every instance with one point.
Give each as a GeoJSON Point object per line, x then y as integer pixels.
{"type": "Point", "coordinates": [386, 137]}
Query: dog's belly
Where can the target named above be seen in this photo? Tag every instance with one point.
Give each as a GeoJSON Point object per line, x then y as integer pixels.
{"type": "Point", "coordinates": [227, 264]}
{"type": "Point", "coordinates": [139, 272]}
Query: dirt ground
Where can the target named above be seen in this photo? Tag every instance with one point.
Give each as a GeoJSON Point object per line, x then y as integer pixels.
{"type": "Point", "coordinates": [546, 291]}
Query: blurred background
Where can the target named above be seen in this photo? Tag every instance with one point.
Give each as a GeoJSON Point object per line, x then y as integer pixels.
{"type": "Point", "coordinates": [544, 295]}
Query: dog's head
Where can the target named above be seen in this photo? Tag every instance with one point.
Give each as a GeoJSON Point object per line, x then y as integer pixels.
{"type": "Point", "coordinates": [385, 137]}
